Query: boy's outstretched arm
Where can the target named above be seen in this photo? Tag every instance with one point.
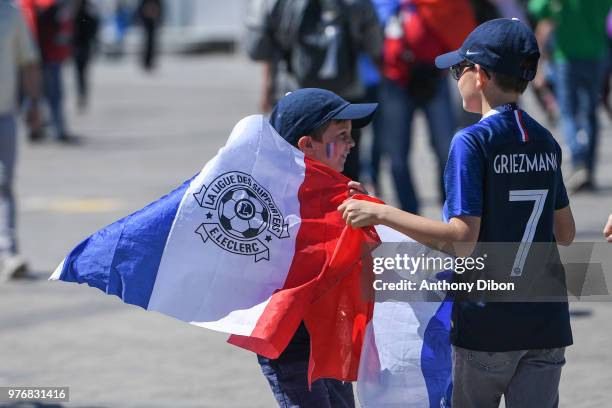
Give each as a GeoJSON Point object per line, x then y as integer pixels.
{"type": "Point", "coordinates": [565, 228]}
{"type": "Point", "coordinates": [457, 237]}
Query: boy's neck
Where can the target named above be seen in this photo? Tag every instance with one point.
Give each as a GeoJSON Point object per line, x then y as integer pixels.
{"type": "Point", "coordinates": [492, 101]}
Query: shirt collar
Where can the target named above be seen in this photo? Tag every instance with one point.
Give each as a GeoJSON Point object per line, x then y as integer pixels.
{"type": "Point", "coordinates": [490, 113]}
{"type": "Point", "coordinates": [498, 109]}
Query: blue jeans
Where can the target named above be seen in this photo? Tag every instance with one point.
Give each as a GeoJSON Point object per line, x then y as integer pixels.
{"type": "Point", "coordinates": [52, 79]}
{"type": "Point", "coordinates": [288, 379]}
{"type": "Point", "coordinates": [8, 156]}
{"type": "Point", "coordinates": [397, 109]}
{"type": "Point", "coordinates": [578, 84]}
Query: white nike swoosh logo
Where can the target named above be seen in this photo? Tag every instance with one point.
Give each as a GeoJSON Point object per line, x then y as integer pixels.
{"type": "Point", "coordinates": [471, 53]}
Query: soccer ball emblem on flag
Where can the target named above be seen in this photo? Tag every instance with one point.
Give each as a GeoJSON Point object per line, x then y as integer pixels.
{"type": "Point", "coordinates": [240, 215]}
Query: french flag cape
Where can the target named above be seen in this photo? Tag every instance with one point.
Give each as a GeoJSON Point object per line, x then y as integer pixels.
{"type": "Point", "coordinates": [252, 246]}
{"type": "Point", "coordinates": [406, 356]}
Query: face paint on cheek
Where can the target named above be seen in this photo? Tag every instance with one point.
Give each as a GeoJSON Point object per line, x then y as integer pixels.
{"type": "Point", "coordinates": [330, 149]}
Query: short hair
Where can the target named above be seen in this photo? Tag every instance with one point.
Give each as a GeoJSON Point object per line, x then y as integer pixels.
{"type": "Point", "coordinates": [317, 134]}
{"type": "Point", "coordinates": [510, 83]}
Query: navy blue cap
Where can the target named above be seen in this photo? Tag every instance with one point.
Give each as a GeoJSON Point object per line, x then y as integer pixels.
{"type": "Point", "coordinates": [502, 45]}
{"type": "Point", "coordinates": [300, 112]}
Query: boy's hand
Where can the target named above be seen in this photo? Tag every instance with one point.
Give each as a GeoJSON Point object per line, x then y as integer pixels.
{"type": "Point", "coordinates": [608, 229]}
{"type": "Point", "coordinates": [356, 187]}
{"type": "Point", "coordinates": [359, 213]}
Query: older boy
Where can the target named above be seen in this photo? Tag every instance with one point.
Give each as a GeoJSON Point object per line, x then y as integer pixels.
{"type": "Point", "coordinates": [319, 123]}
{"type": "Point", "coordinates": [510, 349]}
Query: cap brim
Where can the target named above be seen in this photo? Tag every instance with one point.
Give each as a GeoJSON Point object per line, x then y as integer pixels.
{"type": "Point", "coordinates": [360, 114]}
{"type": "Point", "coordinates": [449, 59]}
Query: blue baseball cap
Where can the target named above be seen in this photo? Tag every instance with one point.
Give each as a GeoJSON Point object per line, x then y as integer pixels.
{"type": "Point", "coordinates": [301, 112]}
{"type": "Point", "coordinates": [504, 45]}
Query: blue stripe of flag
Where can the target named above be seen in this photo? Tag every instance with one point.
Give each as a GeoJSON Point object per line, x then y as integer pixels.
{"type": "Point", "coordinates": [123, 258]}
{"type": "Point", "coordinates": [436, 362]}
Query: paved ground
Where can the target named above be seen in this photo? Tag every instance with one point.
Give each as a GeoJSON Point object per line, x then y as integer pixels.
{"type": "Point", "coordinates": [142, 137]}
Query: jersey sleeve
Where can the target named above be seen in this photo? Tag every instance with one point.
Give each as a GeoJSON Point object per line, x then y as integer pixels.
{"type": "Point", "coordinates": [463, 177]}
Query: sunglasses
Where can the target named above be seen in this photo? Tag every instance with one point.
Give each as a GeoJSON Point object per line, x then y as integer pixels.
{"type": "Point", "coordinates": [458, 70]}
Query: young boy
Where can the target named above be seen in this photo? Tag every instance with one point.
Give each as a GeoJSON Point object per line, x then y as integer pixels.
{"type": "Point", "coordinates": [503, 183]}
{"type": "Point", "coordinates": [319, 123]}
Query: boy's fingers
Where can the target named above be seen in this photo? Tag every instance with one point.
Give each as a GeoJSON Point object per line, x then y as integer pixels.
{"type": "Point", "coordinates": [356, 187]}
{"type": "Point", "coordinates": [349, 221]}
{"type": "Point", "coordinates": [344, 205]}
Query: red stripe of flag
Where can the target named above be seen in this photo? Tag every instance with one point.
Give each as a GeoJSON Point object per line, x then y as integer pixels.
{"type": "Point", "coordinates": [323, 286]}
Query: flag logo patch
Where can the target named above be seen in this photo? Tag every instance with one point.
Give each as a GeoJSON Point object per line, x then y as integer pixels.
{"type": "Point", "coordinates": [240, 215]}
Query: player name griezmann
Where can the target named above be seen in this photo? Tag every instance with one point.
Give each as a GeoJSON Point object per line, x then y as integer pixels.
{"type": "Point", "coordinates": [524, 163]}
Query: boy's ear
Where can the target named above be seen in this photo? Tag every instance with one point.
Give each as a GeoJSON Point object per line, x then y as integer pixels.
{"type": "Point", "coordinates": [481, 77]}
{"type": "Point", "coordinates": [305, 143]}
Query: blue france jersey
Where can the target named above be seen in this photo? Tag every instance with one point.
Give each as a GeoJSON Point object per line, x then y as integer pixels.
{"type": "Point", "coordinates": [506, 169]}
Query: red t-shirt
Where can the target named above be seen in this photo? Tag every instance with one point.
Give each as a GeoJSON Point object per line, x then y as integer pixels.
{"type": "Point", "coordinates": [425, 29]}
{"type": "Point", "coordinates": [55, 29]}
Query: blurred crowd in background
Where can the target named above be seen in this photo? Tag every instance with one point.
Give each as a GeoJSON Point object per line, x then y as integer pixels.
{"type": "Point", "coordinates": [67, 32]}
{"type": "Point", "coordinates": [364, 50]}
{"type": "Point", "coordinates": [399, 72]}
{"type": "Point", "coordinates": [38, 40]}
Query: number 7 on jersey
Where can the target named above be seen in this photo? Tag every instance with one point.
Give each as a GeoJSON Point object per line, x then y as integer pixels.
{"type": "Point", "coordinates": [539, 198]}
